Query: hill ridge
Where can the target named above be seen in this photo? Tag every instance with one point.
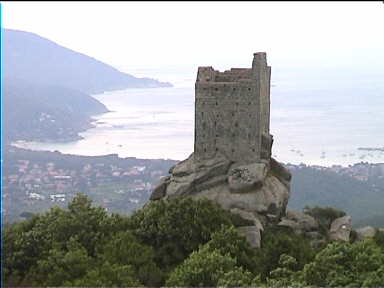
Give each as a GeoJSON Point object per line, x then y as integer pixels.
{"type": "Point", "coordinates": [29, 56]}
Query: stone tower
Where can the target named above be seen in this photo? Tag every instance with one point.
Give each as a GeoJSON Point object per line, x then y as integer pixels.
{"type": "Point", "coordinates": [232, 162]}
{"type": "Point", "coordinates": [232, 112]}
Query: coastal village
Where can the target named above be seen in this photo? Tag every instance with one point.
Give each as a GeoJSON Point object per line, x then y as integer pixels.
{"type": "Point", "coordinates": [32, 182]}
{"type": "Point", "coordinates": [36, 179]}
{"type": "Point", "coordinates": [362, 171]}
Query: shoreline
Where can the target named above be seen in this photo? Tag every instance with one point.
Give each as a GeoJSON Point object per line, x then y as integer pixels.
{"type": "Point", "coordinates": [116, 155]}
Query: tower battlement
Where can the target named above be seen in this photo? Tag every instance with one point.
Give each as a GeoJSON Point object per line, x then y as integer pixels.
{"type": "Point", "coordinates": [232, 112]}
{"type": "Point", "coordinates": [207, 75]}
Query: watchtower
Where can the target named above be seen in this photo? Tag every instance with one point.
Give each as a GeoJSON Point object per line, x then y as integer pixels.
{"type": "Point", "coordinates": [232, 112]}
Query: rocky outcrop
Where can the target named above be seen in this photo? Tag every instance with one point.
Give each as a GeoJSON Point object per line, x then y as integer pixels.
{"type": "Point", "coordinates": [252, 234]}
{"type": "Point", "coordinates": [300, 223]}
{"type": "Point", "coordinates": [341, 229]}
{"type": "Point", "coordinates": [246, 178]}
{"type": "Point", "coordinates": [160, 190]}
{"type": "Point", "coordinates": [256, 191]}
{"type": "Point", "coordinates": [231, 164]}
{"type": "Point", "coordinates": [365, 232]}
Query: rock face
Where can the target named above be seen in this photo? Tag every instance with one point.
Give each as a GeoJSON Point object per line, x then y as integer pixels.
{"type": "Point", "coordinates": [341, 229]}
{"type": "Point", "coordinates": [255, 191]}
{"type": "Point", "coordinates": [300, 223]}
{"type": "Point", "coordinates": [232, 163]}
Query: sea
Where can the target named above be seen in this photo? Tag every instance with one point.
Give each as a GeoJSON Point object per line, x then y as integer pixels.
{"type": "Point", "coordinates": [318, 117]}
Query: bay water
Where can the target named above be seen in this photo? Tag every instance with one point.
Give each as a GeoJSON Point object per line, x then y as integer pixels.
{"type": "Point", "coordinates": [318, 117]}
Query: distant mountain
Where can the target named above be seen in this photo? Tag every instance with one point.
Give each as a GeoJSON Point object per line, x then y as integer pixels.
{"type": "Point", "coordinates": [30, 57]}
{"type": "Point", "coordinates": [45, 113]}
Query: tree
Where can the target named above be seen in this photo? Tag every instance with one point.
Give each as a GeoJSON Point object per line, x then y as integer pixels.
{"type": "Point", "coordinates": [276, 241]}
{"type": "Point", "coordinates": [123, 249]}
{"type": "Point", "coordinates": [343, 264]}
{"type": "Point", "coordinates": [229, 241]}
{"type": "Point", "coordinates": [44, 237]}
{"type": "Point", "coordinates": [61, 265]}
{"type": "Point", "coordinates": [23, 246]}
{"type": "Point", "coordinates": [89, 224]}
{"type": "Point", "coordinates": [285, 274]}
{"type": "Point", "coordinates": [237, 277]}
{"type": "Point", "coordinates": [107, 275]}
{"type": "Point", "coordinates": [175, 228]}
{"type": "Point", "coordinates": [206, 268]}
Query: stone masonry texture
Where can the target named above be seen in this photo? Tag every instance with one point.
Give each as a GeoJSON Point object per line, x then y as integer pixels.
{"type": "Point", "coordinates": [232, 112]}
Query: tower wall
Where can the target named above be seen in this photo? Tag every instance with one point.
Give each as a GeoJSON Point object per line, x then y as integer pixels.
{"type": "Point", "coordinates": [232, 112]}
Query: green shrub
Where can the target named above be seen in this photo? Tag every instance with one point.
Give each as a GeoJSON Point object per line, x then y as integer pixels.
{"type": "Point", "coordinates": [31, 244]}
{"type": "Point", "coordinates": [278, 240]}
{"type": "Point", "coordinates": [175, 228]}
{"type": "Point", "coordinates": [205, 268]}
{"type": "Point", "coordinates": [343, 264]}
{"type": "Point", "coordinates": [229, 241]}
{"type": "Point", "coordinates": [107, 275]}
{"type": "Point", "coordinates": [123, 249]}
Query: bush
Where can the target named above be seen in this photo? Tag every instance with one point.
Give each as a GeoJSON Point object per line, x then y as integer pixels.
{"type": "Point", "coordinates": [343, 264]}
{"type": "Point", "coordinates": [276, 241]}
{"type": "Point", "coordinates": [285, 274]}
{"type": "Point", "coordinates": [61, 265]}
{"type": "Point", "coordinates": [229, 241]}
{"type": "Point", "coordinates": [205, 268]}
{"type": "Point", "coordinates": [107, 275]}
{"type": "Point", "coordinates": [175, 228]}
{"type": "Point", "coordinates": [124, 250]}
{"type": "Point", "coordinates": [41, 239]}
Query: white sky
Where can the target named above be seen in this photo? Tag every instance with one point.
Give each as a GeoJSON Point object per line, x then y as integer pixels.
{"type": "Point", "coordinates": [221, 34]}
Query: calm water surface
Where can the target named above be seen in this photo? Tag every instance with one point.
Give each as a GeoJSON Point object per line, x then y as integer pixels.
{"type": "Point", "coordinates": [316, 118]}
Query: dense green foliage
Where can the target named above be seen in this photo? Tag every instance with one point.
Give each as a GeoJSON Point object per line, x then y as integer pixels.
{"type": "Point", "coordinates": [226, 260]}
{"type": "Point", "coordinates": [205, 268]}
{"type": "Point", "coordinates": [342, 264]}
{"type": "Point", "coordinates": [176, 228]}
{"type": "Point", "coordinates": [277, 241]}
{"type": "Point", "coordinates": [179, 242]}
{"type": "Point", "coordinates": [162, 235]}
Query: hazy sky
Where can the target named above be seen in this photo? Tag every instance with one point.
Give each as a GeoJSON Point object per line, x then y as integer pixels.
{"type": "Point", "coordinates": [221, 34]}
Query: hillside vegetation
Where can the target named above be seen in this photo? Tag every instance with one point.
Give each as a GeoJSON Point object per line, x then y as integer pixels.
{"type": "Point", "coordinates": [180, 242]}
